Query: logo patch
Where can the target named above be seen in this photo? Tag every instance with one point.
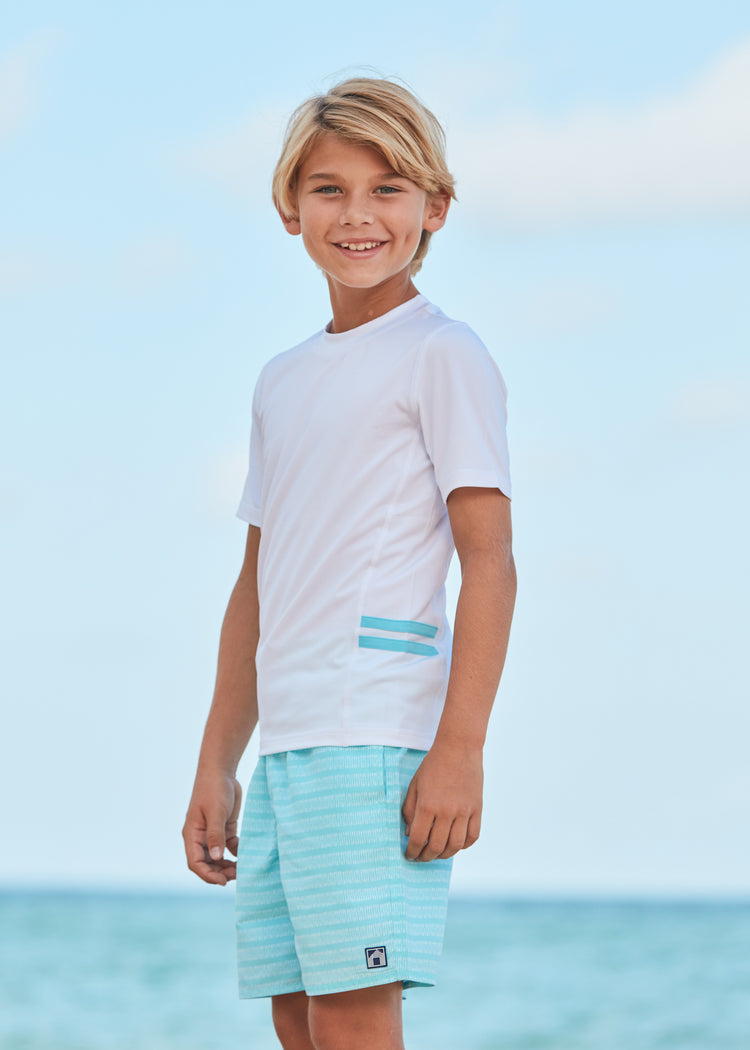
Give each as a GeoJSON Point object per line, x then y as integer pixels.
{"type": "Point", "coordinates": [376, 958]}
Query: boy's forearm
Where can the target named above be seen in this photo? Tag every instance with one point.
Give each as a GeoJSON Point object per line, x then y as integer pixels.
{"type": "Point", "coordinates": [443, 806]}
{"type": "Point", "coordinates": [480, 642]}
{"type": "Point", "coordinates": [234, 709]}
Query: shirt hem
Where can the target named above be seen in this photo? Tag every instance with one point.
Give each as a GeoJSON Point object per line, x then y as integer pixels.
{"type": "Point", "coordinates": [348, 738]}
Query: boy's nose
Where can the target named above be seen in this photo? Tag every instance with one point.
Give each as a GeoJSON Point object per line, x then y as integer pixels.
{"type": "Point", "coordinates": [356, 212]}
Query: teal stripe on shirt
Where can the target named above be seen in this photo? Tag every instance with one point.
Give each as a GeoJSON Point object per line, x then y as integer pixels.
{"type": "Point", "coordinates": [398, 645]}
{"type": "Point", "coordinates": [407, 626]}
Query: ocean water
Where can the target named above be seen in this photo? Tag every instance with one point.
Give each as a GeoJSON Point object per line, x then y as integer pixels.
{"type": "Point", "coordinates": [105, 971]}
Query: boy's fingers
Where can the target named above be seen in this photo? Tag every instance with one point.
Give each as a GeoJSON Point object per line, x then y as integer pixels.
{"type": "Point", "coordinates": [222, 872]}
{"type": "Point", "coordinates": [210, 828]}
{"type": "Point", "coordinates": [442, 838]}
{"type": "Point", "coordinates": [419, 833]}
{"type": "Point", "coordinates": [197, 862]}
{"type": "Point", "coordinates": [215, 841]}
{"type": "Point", "coordinates": [473, 830]}
{"type": "Point", "coordinates": [194, 837]}
{"type": "Point", "coordinates": [219, 874]}
{"type": "Point", "coordinates": [409, 807]}
{"type": "Point", "coordinates": [437, 841]}
{"type": "Point", "coordinates": [195, 852]}
{"type": "Point", "coordinates": [457, 840]}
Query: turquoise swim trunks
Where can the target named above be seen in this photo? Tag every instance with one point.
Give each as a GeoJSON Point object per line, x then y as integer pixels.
{"type": "Point", "coordinates": [326, 900]}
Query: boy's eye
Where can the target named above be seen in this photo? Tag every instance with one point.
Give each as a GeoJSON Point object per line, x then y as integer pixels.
{"type": "Point", "coordinates": [388, 189]}
{"type": "Point", "coordinates": [327, 189]}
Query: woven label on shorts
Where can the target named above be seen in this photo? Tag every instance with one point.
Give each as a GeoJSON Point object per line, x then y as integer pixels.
{"type": "Point", "coordinates": [377, 958]}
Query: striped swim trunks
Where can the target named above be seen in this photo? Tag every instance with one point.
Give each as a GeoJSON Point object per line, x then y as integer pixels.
{"type": "Point", "coordinates": [326, 900]}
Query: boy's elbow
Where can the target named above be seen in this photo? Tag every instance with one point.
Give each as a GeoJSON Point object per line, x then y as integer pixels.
{"type": "Point", "coordinates": [494, 563]}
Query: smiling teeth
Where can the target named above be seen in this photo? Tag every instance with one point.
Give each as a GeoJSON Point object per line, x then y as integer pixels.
{"type": "Point", "coordinates": [360, 247]}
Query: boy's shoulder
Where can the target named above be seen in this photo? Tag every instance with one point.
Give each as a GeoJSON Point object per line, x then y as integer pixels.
{"type": "Point", "coordinates": [285, 360]}
{"type": "Point", "coordinates": [425, 334]}
{"type": "Point", "coordinates": [452, 342]}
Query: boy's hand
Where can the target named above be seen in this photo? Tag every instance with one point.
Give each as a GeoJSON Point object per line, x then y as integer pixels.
{"type": "Point", "coordinates": [443, 806]}
{"type": "Point", "coordinates": [210, 826]}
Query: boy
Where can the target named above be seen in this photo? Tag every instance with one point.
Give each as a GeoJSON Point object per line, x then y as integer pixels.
{"type": "Point", "coordinates": [377, 445]}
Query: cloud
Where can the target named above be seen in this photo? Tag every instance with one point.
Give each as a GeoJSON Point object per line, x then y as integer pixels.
{"type": "Point", "coordinates": [685, 154]}
{"type": "Point", "coordinates": [20, 271]}
{"type": "Point", "coordinates": [564, 306]}
{"type": "Point", "coordinates": [241, 157]}
{"type": "Point", "coordinates": [710, 402]}
{"type": "Point", "coordinates": [150, 259]}
{"type": "Point", "coordinates": [142, 265]}
{"type": "Point", "coordinates": [21, 71]}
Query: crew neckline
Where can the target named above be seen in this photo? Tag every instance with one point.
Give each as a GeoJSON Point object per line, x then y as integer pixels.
{"type": "Point", "coordinates": [402, 310]}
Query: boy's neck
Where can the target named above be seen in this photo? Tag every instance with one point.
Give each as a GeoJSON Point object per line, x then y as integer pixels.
{"type": "Point", "coordinates": [353, 307]}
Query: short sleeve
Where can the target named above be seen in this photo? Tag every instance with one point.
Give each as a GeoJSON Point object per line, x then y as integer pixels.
{"type": "Point", "coordinates": [250, 508]}
{"type": "Point", "coordinates": [461, 400]}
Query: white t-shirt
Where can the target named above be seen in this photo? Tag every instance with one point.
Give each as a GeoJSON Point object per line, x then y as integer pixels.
{"type": "Point", "coordinates": [357, 440]}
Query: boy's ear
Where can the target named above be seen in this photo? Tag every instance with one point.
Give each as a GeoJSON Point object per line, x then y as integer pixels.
{"type": "Point", "coordinates": [291, 223]}
{"type": "Point", "coordinates": [436, 212]}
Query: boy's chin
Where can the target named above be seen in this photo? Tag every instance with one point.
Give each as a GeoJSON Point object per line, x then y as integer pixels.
{"type": "Point", "coordinates": [364, 283]}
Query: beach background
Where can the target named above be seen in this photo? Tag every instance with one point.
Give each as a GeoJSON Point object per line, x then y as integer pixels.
{"type": "Point", "coordinates": [600, 249]}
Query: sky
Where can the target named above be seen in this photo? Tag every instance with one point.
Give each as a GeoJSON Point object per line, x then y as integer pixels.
{"type": "Point", "coordinates": [600, 249]}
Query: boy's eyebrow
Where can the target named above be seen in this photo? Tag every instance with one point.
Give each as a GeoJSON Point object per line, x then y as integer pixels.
{"type": "Point", "coordinates": [333, 178]}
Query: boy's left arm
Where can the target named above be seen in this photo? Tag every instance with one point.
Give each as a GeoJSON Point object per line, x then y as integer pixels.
{"type": "Point", "coordinates": [443, 805]}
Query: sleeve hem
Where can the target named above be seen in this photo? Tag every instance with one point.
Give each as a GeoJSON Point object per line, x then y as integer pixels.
{"type": "Point", "coordinates": [247, 512]}
{"type": "Point", "coordinates": [481, 479]}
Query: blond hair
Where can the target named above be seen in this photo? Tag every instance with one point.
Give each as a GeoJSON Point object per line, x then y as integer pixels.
{"type": "Point", "coordinates": [371, 112]}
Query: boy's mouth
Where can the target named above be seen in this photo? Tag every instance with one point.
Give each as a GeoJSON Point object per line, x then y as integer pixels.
{"type": "Point", "coordinates": [359, 246]}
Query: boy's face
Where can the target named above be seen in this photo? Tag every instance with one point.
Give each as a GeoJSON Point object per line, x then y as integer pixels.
{"type": "Point", "coordinates": [360, 221]}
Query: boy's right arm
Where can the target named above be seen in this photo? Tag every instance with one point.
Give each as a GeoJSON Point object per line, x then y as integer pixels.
{"type": "Point", "coordinates": [211, 821]}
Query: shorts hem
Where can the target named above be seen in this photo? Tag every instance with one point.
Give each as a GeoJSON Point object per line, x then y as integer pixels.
{"type": "Point", "coordinates": [355, 984]}
{"type": "Point", "coordinates": [268, 990]}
